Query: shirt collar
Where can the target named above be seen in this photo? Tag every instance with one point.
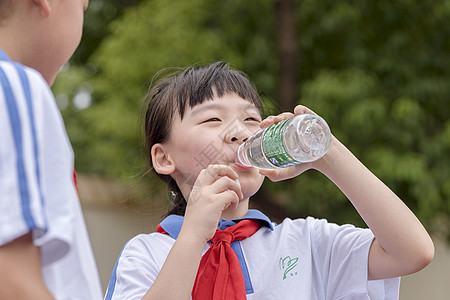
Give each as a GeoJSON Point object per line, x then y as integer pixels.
{"type": "Point", "coordinates": [3, 56]}
{"type": "Point", "coordinates": [172, 224]}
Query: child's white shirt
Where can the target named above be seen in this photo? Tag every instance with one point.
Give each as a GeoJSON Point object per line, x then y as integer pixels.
{"type": "Point", "coordinates": [297, 259]}
{"type": "Point", "coordinates": [37, 188]}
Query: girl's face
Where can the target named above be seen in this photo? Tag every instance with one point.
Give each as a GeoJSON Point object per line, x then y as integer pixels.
{"type": "Point", "coordinates": [210, 133]}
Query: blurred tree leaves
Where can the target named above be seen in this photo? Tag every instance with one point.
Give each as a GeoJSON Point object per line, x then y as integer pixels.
{"type": "Point", "coordinates": [377, 71]}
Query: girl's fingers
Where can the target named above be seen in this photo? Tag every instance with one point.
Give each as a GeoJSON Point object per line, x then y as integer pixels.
{"type": "Point", "coordinates": [217, 180]}
{"type": "Point", "coordinates": [275, 119]}
{"type": "Point", "coordinates": [284, 173]}
{"type": "Point", "coordinates": [300, 109]}
{"type": "Point", "coordinates": [271, 174]}
{"type": "Point", "coordinates": [229, 198]}
{"type": "Point", "coordinates": [213, 172]}
{"type": "Point", "coordinates": [226, 184]}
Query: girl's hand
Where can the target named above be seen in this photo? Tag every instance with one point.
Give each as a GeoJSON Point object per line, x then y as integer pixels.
{"type": "Point", "coordinates": [289, 172]}
{"type": "Point", "coordinates": [214, 191]}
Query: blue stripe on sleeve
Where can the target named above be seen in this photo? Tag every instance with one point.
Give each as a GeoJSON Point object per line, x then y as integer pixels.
{"type": "Point", "coordinates": [27, 91]}
{"type": "Point", "coordinates": [112, 280]}
{"type": "Point", "coordinates": [17, 135]}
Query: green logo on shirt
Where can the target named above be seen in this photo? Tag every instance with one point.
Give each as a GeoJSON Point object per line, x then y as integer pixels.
{"type": "Point", "coordinates": [287, 264]}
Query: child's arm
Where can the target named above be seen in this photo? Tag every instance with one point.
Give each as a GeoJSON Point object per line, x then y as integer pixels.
{"type": "Point", "coordinates": [401, 245]}
{"type": "Point", "coordinates": [214, 190]}
{"type": "Point", "coordinates": [20, 271]}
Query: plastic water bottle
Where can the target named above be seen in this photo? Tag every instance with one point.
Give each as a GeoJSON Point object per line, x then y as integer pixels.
{"type": "Point", "coordinates": [303, 138]}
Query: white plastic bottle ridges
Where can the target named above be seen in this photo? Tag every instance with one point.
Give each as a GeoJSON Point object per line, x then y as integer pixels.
{"type": "Point", "coordinates": [303, 138]}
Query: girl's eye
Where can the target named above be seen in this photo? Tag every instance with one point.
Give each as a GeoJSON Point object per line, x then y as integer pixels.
{"type": "Point", "coordinates": [212, 120]}
{"type": "Point", "coordinates": [252, 119]}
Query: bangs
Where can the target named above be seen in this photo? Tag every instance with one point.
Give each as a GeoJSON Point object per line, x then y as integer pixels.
{"type": "Point", "coordinates": [197, 84]}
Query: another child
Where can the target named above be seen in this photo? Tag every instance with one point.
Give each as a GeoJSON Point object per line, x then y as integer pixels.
{"type": "Point", "coordinates": [194, 124]}
{"type": "Point", "coordinates": [44, 247]}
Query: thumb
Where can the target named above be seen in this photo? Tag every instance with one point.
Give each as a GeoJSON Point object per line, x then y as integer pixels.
{"type": "Point", "coordinates": [272, 174]}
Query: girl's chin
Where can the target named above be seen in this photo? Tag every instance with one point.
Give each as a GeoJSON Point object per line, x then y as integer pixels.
{"type": "Point", "coordinates": [250, 186]}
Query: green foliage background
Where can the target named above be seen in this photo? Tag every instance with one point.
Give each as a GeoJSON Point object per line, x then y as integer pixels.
{"type": "Point", "coordinates": [377, 71]}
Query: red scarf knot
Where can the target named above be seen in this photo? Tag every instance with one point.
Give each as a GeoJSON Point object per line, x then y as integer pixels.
{"type": "Point", "coordinates": [223, 236]}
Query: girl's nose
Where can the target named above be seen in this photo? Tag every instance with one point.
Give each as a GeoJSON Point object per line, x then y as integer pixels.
{"type": "Point", "coordinates": [235, 139]}
{"type": "Point", "coordinates": [237, 136]}
{"type": "Point", "coordinates": [237, 132]}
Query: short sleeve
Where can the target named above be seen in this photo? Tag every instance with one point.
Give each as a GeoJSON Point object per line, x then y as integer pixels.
{"type": "Point", "coordinates": [344, 251]}
{"type": "Point", "coordinates": [138, 265]}
{"type": "Point", "coordinates": [22, 200]}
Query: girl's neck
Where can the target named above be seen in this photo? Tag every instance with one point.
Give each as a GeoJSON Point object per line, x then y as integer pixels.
{"type": "Point", "coordinates": [236, 213]}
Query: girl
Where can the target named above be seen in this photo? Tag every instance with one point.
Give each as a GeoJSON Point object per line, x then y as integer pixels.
{"type": "Point", "coordinates": [211, 246]}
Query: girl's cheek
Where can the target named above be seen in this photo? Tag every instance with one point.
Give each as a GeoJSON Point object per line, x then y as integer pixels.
{"type": "Point", "coordinates": [251, 183]}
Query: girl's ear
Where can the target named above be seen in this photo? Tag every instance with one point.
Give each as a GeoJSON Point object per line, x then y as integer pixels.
{"type": "Point", "coordinates": [161, 160]}
{"type": "Point", "coordinates": [43, 6]}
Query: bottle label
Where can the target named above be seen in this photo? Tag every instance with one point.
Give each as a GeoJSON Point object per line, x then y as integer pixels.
{"type": "Point", "coordinates": [273, 147]}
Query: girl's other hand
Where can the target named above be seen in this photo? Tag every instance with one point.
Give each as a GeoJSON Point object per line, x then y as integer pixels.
{"type": "Point", "coordinates": [289, 172]}
{"type": "Point", "coordinates": [214, 191]}
{"type": "Point", "coordinates": [298, 110]}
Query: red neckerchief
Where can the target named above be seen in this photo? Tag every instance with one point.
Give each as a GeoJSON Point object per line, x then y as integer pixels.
{"type": "Point", "coordinates": [219, 275]}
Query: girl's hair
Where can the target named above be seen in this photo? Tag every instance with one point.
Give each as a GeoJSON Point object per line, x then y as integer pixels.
{"type": "Point", "coordinates": [191, 87]}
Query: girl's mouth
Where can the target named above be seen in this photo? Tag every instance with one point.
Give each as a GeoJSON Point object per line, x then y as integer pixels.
{"type": "Point", "coordinates": [241, 166]}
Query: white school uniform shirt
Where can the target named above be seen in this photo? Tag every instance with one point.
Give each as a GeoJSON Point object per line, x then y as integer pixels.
{"type": "Point", "coordinates": [297, 259]}
{"type": "Point", "coordinates": [37, 190]}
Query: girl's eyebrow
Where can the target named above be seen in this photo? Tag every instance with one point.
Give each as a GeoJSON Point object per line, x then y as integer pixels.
{"type": "Point", "coordinates": [208, 106]}
{"type": "Point", "coordinates": [252, 107]}
{"type": "Point", "coordinates": [218, 106]}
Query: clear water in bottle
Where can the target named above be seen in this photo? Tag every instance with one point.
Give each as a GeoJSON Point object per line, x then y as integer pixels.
{"type": "Point", "coordinates": [303, 138]}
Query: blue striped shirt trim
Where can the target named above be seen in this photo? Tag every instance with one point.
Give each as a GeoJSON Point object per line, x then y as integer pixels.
{"type": "Point", "coordinates": [236, 246]}
{"type": "Point", "coordinates": [112, 280]}
{"type": "Point", "coordinates": [16, 129]}
{"type": "Point", "coordinates": [27, 91]}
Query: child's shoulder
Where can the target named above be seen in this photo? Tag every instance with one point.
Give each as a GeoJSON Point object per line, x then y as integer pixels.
{"type": "Point", "coordinates": [17, 72]}
{"type": "Point", "coordinates": [307, 222]}
{"type": "Point", "coordinates": [316, 226]}
{"type": "Point", "coordinates": [27, 87]}
{"type": "Point", "coordinates": [147, 243]}
{"type": "Point", "coordinates": [320, 235]}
